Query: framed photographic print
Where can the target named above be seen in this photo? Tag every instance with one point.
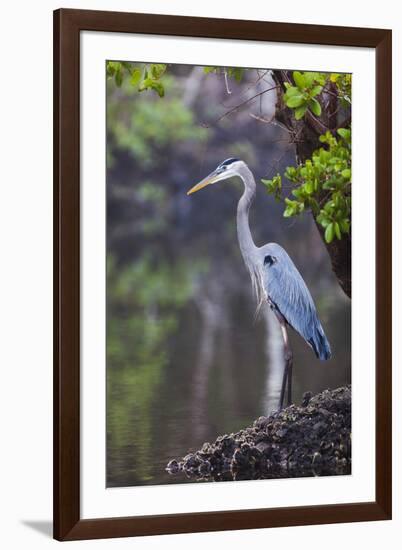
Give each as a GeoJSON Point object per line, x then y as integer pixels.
{"type": "Point", "coordinates": [222, 270]}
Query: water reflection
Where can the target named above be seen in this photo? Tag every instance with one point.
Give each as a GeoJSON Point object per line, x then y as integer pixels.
{"type": "Point", "coordinates": [187, 363]}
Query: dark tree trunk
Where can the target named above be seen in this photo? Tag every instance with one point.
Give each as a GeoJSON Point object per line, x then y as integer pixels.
{"type": "Point", "coordinates": [305, 134]}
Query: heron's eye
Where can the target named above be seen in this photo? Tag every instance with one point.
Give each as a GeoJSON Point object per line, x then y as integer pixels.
{"type": "Point", "coordinates": [269, 260]}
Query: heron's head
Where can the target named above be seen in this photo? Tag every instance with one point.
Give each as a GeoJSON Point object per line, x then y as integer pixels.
{"type": "Point", "coordinates": [226, 169]}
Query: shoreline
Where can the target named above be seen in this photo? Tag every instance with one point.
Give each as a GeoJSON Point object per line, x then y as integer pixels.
{"type": "Point", "coordinates": [310, 439]}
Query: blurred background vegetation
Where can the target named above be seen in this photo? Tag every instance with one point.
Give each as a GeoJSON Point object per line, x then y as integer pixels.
{"type": "Point", "coordinates": [185, 362]}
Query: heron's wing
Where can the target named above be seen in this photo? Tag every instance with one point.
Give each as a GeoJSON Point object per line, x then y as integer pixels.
{"type": "Point", "coordinates": [288, 292]}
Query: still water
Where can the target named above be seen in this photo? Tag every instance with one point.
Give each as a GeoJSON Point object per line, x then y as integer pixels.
{"type": "Point", "coordinates": [196, 365]}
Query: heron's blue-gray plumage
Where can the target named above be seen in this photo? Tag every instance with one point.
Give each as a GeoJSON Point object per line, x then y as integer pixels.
{"type": "Point", "coordinates": [274, 276]}
{"type": "Point", "coordinates": [287, 291]}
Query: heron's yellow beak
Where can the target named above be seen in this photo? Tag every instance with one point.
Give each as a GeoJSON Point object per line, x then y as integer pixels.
{"type": "Point", "coordinates": [203, 183]}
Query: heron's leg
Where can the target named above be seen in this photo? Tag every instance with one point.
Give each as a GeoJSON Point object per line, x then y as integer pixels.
{"type": "Point", "coordinates": [289, 361]}
{"type": "Point", "coordinates": [288, 355]}
{"type": "Point", "coordinates": [283, 387]}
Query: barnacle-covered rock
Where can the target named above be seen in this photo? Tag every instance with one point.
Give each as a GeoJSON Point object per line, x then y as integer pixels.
{"type": "Point", "coordinates": [307, 440]}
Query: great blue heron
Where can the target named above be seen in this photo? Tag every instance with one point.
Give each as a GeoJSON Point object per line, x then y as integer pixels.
{"type": "Point", "coordinates": [274, 276]}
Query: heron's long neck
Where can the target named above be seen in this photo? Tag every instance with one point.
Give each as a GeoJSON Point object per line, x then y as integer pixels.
{"type": "Point", "coordinates": [246, 242]}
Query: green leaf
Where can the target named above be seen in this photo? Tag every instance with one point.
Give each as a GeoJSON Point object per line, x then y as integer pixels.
{"type": "Point", "coordinates": [295, 101]}
{"type": "Point", "coordinates": [345, 134]}
{"type": "Point", "coordinates": [329, 233]}
{"type": "Point", "coordinates": [300, 112]}
{"type": "Point", "coordinates": [337, 231]}
{"type": "Point", "coordinates": [110, 68]}
{"type": "Point", "coordinates": [158, 87]}
{"type": "Point", "coordinates": [238, 73]}
{"type": "Point", "coordinates": [135, 77]}
{"type": "Point", "coordinates": [291, 91]}
{"type": "Point", "coordinates": [290, 209]}
{"type": "Point", "coordinates": [315, 107]}
{"type": "Point", "coordinates": [299, 80]}
{"type": "Point", "coordinates": [126, 65]}
{"type": "Point", "coordinates": [324, 222]}
{"type": "Point", "coordinates": [274, 186]}
{"type": "Point", "coordinates": [309, 187]}
{"type": "Point", "coordinates": [309, 78]}
{"type": "Point", "coordinates": [291, 173]}
{"type": "Point", "coordinates": [149, 84]}
{"type": "Point", "coordinates": [145, 84]}
{"type": "Point", "coordinates": [315, 91]}
{"type": "Point", "coordinates": [345, 225]}
{"type": "Point", "coordinates": [346, 173]}
{"type": "Point", "coordinates": [157, 70]}
{"type": "Point", "coordinates": [118, 77]}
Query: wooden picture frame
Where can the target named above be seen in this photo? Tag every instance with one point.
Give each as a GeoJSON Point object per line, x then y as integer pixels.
{"type": "Point", "coordinates": [68, 24]}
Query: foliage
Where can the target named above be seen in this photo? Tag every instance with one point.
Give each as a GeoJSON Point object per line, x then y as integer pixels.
{"type": "Point", "coordinates": [308, 86]}
{"type": "Point", "coordinates": [274, 186]}
{"type": "Point", "coordinates": [232, 72]}
{"type": "Point", "coordinates": [149, 76]}
{"type": "Point", "coordinates": [141, 76]}
{"type": "Point", "coordinates": [302, 95]}
{"type": "Point", "coordinates": [343, 83]}
{"type": "Point", "coordinates": [321, 184]}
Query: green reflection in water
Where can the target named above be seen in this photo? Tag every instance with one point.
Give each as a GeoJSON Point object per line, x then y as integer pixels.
{"type": "Point", "coordinates": [143, 301]}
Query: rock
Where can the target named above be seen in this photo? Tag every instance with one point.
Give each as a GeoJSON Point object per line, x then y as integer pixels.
{"type": "Point", "coordinates": [306, 398]}
{"type": "Point", "coordinates": [173, 467]}
{"type": "Point", "coordinates": [298, 441]}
